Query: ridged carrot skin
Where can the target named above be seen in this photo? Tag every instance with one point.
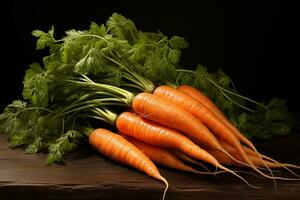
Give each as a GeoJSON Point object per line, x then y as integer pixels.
{"type": "Point", "coordinates": [173, 116]}
{"type": "Point", "coordinates": [188, 159]}
{"type": "Point", "coordinates": [160, 156]}
{"type": "Point", "coordinates": [133, 125]}
{"type": "Point", "coordinates": [202, 113]}
{"type": "Point", "coordinates": [119, 149]}
{"type": "Point", "coordinates": [206, 116]}
{"type": "Point", "coordinates": [205, 101]}
{"type": "Point", "coordinates": [217, 126]}
{"type": "Point", "coordinates": [142, 129]}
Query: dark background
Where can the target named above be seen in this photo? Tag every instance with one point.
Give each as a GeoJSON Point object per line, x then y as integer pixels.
{"type": "Point", "coordinates": [255, 43]}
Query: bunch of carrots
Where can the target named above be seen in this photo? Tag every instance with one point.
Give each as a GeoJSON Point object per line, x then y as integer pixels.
{"type": "Point", "coordinates": [173, 125]}
{"type": "Point", "coordinates": [167, 125]}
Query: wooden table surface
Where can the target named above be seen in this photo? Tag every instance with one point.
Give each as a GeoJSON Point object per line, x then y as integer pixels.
{"type": "Point", "coordinates": [87, 175]}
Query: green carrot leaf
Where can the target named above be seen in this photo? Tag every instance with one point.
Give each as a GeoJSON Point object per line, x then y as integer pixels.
{"type": "Point", "coordinates": [44, 39]}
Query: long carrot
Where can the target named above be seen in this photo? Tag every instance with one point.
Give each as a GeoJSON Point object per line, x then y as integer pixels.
{"type": "Point", "coordinates": [275, 163]}
{"type": "Point", "coordinates": [254, 158]}
{"type": "Point", "coordinates": [206, 116]}
{"type": "Point", "coordinates": [155, 134]}
{"type": "Point", "coordinates": [188, 159]}
{"type": "Point", "coordinates": [270, 162]}
{"type": "Point", "coordinates": [150, 106]}
{"type": "Point", "coordinates": [173, 116]}
{"type": "Point", "coordinates": [163, 156]}
{"type": "Point", "coordinates": [225, 160]}
{"type": "Point", "coordinates": [119, 149]}
{"type": "Point", "coordinates": [202, 98]}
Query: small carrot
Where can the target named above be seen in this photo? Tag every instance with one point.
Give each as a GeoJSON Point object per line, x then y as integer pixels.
{"type": "Point", "coordinates": [155, 134]}
{"type": "Point", "coordinates": [217, 126]}
{"type": "Point", "coordinates": [119, 149]}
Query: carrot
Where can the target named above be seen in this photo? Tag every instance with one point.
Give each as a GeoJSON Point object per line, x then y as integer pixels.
{"type": "Point", "coordinates": [272, 163]}
{"type": "Point", "coordinates": [119, 149]}
{"type": "Point", "coordinates": [164, 112]}
{"type": "Point", "coordinates": [225, 160]}
{"type": "Point", "coordinates": [162, 156]}
{"type": "Point", "coordinates": [205, 101]}
{"type": "Point", "coordinates": [251, 152]}
{"type": "Point", "coordinates": [142, 129]}
{"type": "Point", "coordinates": [186, 158]}
{"type": "Point", "coordinates": [253, 157]}
{"type": "Point", "coordinates": [206, 116]}
{"type": "Point", "coordinates": [197, 94]}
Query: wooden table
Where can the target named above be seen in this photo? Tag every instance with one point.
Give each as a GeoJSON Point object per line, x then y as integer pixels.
{"type": "Point", "coordinates": [86, 175]}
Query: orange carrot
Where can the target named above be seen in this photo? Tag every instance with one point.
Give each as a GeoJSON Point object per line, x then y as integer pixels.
{"type": "Point", "coordinates": [252, 156]}
{"type": "Point", "coordinates": [251, 152]}
{"type": "Point", "coordinates": [206, 116]}
{"type": "Point", "coordinates": [202, 98]}
{"type": "Point", "coordinates": [164, 112]}
{"type": "Point", "coordinates": [186, 158]}
{"type": "Point", "coordinates": [119, 149]}
{"type": "Point", "coordinates": [197, 94]}
{"type": "Point", "coordinates": [272, 163]}
{"type": "Point", "coordinates": [155, 134]}
{"type": "Point", "coordinates": [162, 156]}
{"type": "Point", "coordinates": [225, 160]}
{"type": "Point", "coordinates": [205, 101]}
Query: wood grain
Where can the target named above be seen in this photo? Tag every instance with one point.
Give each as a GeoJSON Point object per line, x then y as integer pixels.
{"type": "Point", "coordinates": [87, 175]}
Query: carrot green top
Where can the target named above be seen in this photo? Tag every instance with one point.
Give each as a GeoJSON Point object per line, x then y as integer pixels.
{"type": "Point", "coordinates": [106, 65]}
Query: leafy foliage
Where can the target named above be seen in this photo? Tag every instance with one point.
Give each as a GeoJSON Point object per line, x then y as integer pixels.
{"type": "Point", "coordinates": [44, 39]}
{"type": "Point", "coordinates": [119, 54]}
{"type": "Point", "coordinates": [275, 120]}
{"type": "Point", "coordinates": [64, 144]}
{"type": "Point", "coordinates": [35, 85]}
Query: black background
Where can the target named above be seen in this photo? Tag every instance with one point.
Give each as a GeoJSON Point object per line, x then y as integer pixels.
{"type": "Point", "coordinates": [255, 43]}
